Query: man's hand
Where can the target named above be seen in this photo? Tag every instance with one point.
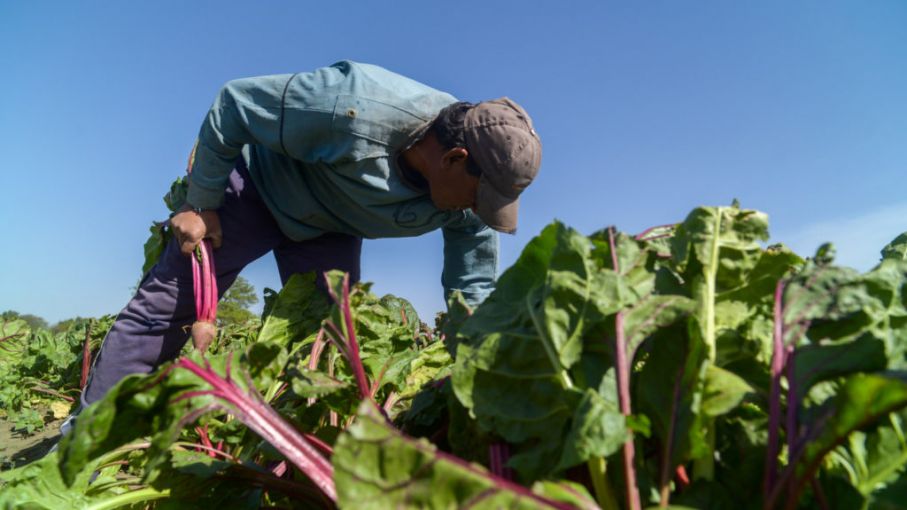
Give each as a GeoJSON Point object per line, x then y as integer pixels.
{"type": "Point", "coordinates": [190, 227]}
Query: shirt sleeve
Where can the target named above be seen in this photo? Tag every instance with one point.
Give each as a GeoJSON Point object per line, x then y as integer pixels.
{"type": "Point", "coordinates": [470, 259]}
{"type": "Point", "coordinates": [245, 111]}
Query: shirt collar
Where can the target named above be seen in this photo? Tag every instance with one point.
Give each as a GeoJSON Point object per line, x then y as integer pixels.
{"type": "Point", "coordinates": [410, 176]}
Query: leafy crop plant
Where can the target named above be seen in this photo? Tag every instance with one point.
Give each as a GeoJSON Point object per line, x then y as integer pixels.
{"type": "Point", "coordinates": [690, 366]}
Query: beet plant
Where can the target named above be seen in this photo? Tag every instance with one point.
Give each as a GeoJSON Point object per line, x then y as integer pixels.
{"type": "Point", "coordinates": [689, 366]}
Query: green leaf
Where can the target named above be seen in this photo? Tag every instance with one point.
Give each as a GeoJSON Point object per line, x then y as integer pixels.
{"type": "Point", "coordinates": [312, 384]}
{"type": "Point", "coordinates": [722, 242]}
{"type": "Point", "coordinates": [724, 390]}
{"type": "Point", "coordinates": [432, 363]}
{"type": "Point", "coordinates": [13, 341]}
{"type": "Point", "coordinates": [815, 363]}
{"type": "Point", "coordinates": [568, 492]}
{"type": "Point", "coordinates": [139, 406]}
{"type": "Point", "coordinates": [896, 249]}
{"type": "Point", "coordinates": [513, 352]}
{"type": "Point", "coordinates": [196, 480]}
{"type": "Point", "coordinates": [860, 401]}
{"type": "Point", "coordinates": [39, 485]}
{"type": "Point", "coordinates": [821, 295]}
{"type": "Point", "coordinates": [598, 430]}
{"type": "Point", "coordinates": [875, 459]}
{"type": "Point", "coordinates": [715, 249]}
{"type": "Point", "coordinates": [544, 296]}
{"type": "Point", "coordinates": [296, 314]}
{"type": "Point", "coordinates": [375, 466]}
{"type": "Point", "coordinates": [654, 313]}
{"type": "Point", "coordinates": [158, 238]}
{"type": "Point", "coordinates": [669, 391]}
{"type": "Point", "coordinates": [176, 197]}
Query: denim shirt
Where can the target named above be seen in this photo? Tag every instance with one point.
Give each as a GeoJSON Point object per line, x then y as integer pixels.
{"type": "Point", "coordinates": [322, 148]}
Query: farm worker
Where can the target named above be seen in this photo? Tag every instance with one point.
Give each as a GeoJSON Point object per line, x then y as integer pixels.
{"type": "Point", "coordinates": [309, 164]}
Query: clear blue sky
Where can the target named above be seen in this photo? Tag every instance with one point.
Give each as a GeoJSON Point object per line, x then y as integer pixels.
{"type": "Point", "coordinates": [645, 109]}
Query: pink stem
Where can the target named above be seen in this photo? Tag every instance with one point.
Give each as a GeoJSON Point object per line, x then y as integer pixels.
{"type": "Point", "coordinates": [493, 465]}
{"type": "Point", "coordinates": [376, 384]}
{"type": "Point", "coordinates": [203, 435]}
{"type": "Point", "coordinates": [86, 357]}
{"type": "Point", "coordinates": [774, 400]}
{"type": "Point", "coordinates": [212, 283]}
{"type": "Point", "coordinates": [196, 286]}
{"type": "Point", "coordinates": [208, 284]}
{"type": "Point", "coordinates": [392, 399]}
{"type": "Point", "coordinates": [623, 386]}
{"type": "Point", "coordinates": [314, 357]}
{"type": "Point", "coordinates": [642, 235]}
{"type": "Point", "coordinates": [352, 344]}
{"type": "Point", "coordinates": [255, 413]}
{"type": "Point", "coordinates": [280, 469]}
{"type": "Point", "coordinates": [316, 441]}
{"type": "Point", "coordinates": [317, 348]}
{"type": "Point", "coordinates": [498, 454]}
{"type": "Point", "coordinates": [213, 451]}
{"type": "Point", "coordinates": [791, 424]}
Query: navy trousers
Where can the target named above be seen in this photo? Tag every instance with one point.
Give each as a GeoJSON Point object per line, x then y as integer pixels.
{"type": "Point", "coordinates": [154, 325]}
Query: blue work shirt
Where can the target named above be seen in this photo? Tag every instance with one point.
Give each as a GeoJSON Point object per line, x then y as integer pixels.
{"type": "Point", "coordinates": [322, 148]}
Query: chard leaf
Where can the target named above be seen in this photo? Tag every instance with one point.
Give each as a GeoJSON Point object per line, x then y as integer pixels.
{"type": "Point", "coordinates": [176, 197]}
{"type": "Point", "coordinates": [39, 485]}
{"type": "Point", "coordinates": [513, 352]}
{"type": "Point", "coordinates": [568, 492]}
{"type": "Point", "coordinates": [598, 429]}
{"type": "Point", "coordinates": [715, 249]}
{"type": "Point", "coordinates": [158, 238]}
{"type": "Point", "coordinates": [564, 297]}
{"type": "Point", "coordinates": [860, 401]}
{"type": "Point", "coordinates": [432, 363]}
{"type": "Point", "coordinates": [138, 406]}
{"type": "Point", "coordinates": [875, 460]}
{"type": "Point", "coordinates": [724, 390]}
{"type": "Point", "coordinates": [636, 273]}
{"type": "Point", "coordinates": [196, 480]}
{"type": "Point", "coordinates": [825, 294]}
{"type": "Point", "coordinates": [296, 313]}
{"type": "Point", "coordinates": [896, 249]}
{"type": "Point", "coordinates": [829, 304]}
{"type": "Point", "coordinates": [652, 314]}
{"type": "Point", "coordinates": [314, 384]}
{"type": "Point", "coordinates": [13, 341]}
{"type": "Point", "coordinates": [720, 243]}
{"type": "Point", "coordinates": [375, 466]}
{"type": "Point", "coordinates": [816, 363]}
{"type": "Point", "coordinates": [544, 297]}
{"type": "Point", "coordinates": [509, 388]}
{"type": "Point", "coordinates": [668, 390]}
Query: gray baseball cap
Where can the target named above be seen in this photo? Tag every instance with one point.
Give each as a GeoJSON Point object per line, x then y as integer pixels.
{"type": "Point", "coordinates": [501, 140]}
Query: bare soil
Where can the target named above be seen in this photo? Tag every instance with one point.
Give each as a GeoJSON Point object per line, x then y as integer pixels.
{"type": "Point", "coordinates": [18, 449]}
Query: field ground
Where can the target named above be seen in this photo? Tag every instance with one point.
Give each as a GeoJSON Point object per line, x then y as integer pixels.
{"type": "Point", "coordinates": [17, 449]}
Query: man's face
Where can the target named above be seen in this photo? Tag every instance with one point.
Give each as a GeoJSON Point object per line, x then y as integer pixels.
{"type": "Point", "coordinates": [451, 186]}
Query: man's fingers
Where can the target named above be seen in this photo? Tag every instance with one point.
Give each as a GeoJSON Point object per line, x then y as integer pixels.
{"type": "Point", "coordinates": [212, 227]}
{"type": "Point", "coordinates": [187, 247]}
{"type": "Point", "coordinates": [216, 240]}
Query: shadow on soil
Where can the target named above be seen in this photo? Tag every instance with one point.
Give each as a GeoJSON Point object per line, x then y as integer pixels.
{"type": "Point", "coordinates": [18, 449]}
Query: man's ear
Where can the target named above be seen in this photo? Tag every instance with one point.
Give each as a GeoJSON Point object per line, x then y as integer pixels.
{"type": "Point", "coordinates": [454, 156]}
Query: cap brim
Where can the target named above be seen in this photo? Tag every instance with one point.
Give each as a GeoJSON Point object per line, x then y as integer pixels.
{"type": "Point", "coordinates": [496, 210]}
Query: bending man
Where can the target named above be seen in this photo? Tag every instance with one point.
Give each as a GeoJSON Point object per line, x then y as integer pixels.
{"type": "Point", "coordinates": [306, 165]}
